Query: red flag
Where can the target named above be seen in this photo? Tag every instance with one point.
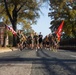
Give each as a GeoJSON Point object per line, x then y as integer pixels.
{"type": "Point", "coordinates": [11, 29]}
{"type": "Point", "coordinates": [59, 30]}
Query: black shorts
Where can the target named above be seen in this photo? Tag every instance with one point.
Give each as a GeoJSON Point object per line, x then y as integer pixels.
{"type": "Point", "coordinates": [18, 41]}
{"type": "Point", "coordinates": [47, 43]}
{"type": "Point", "coordinates": [40, 42]}
{"type": "Point", "coordinates": [30, 42]}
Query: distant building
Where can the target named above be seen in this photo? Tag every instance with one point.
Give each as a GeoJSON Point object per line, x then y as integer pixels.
{"type": "Point", "coordinates": [2, 33]}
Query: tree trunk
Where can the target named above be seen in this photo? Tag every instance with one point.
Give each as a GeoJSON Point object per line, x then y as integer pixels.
{"type": "Point", "coordinates": [4, 38]}
{"type": "Point", "coordinates": [14, 37]}
{"type": "Point", "coordinates": [14, 22]}
{"type": "Point", "coordinates": [4, 42]}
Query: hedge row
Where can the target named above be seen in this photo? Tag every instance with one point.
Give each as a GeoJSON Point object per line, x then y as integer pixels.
{"type": "Point", "coordinates": [73, 48]}
{"type": "Point", "coordinates": [71, 42]}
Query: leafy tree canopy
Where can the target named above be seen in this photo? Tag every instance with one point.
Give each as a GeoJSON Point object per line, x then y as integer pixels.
{"type": "Point", "coordinates": [19, 12]}
{"type": "Point", "coordinates": [63, 10]}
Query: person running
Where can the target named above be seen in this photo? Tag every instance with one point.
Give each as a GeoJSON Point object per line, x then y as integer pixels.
{"type": "Point", "coordinates": [22, 39]}
{"type": "Point", "coordinates": [30, 41]}
{"type": "Point", "coordinates": [50, 41]}
{"type": "Point", "coordinates": [35, 41]}
{"type": "Point", "coordinates": [18, 39]}
{"type": "Point", "coordinates": [40, 40]}
{"type": "Point", "coordinates": [24, 42]}
{"type": "Point", "coordinates": [54, 44]}
{"type": "Point", "coordinates": [47, 42]}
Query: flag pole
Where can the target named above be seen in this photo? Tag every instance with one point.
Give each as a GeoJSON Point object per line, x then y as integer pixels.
{"type": "Point", "coordinates": [59, 30]}
{"type": "Point", "coordinates": [57, 33]}
{"type": "Point", "coordinates": [11, 29]}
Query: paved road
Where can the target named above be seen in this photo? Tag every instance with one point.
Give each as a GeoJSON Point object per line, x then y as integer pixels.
{"type": "Point", "coordinates": [41, 62]}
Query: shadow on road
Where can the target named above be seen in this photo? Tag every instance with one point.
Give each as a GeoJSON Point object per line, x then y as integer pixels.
{"type": "Point", "coordinates": [55, 65]}
{"type": "Point", "coordinates": [50, 65]}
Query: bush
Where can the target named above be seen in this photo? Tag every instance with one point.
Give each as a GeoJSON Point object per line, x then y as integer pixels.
{"type": "Point", "coordinates": [68, 44]}
{"type": "Point", "coordinates": [71, 42]}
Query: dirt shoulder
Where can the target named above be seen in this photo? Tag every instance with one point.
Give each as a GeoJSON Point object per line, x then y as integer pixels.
{"type": "Point", "coordinates": [7, 49]}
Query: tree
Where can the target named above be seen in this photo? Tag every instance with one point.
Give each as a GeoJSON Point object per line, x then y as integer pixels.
{"type": "Point", "coordinates": [27, 28]}
{"type": "Point", "coordinates": [12, 10]}
{"type": "Point", "coordinates": [63, 10]}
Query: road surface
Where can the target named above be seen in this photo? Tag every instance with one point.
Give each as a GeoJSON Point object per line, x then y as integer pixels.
{"type": "Point", "coordinates": [41, 62]}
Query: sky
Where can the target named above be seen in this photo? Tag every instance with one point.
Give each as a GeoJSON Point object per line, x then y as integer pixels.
{"type": "Point", "coordinates": [43, 22]}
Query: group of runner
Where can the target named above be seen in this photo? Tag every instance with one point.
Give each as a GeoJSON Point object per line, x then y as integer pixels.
{"type": "Point", "coordinates": [35, 41]}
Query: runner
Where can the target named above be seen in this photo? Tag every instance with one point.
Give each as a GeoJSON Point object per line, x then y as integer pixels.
{"type": "Point", "coordinates": [30, 41]}
{"type": "Point", "coordinates": [40, 40]}
{"type": "Point", "coordinates": [18, 39]}
{"type": "Point", "coordinates": [47, 42]}
{"type": "Point", "coordinates": [36, 41]}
